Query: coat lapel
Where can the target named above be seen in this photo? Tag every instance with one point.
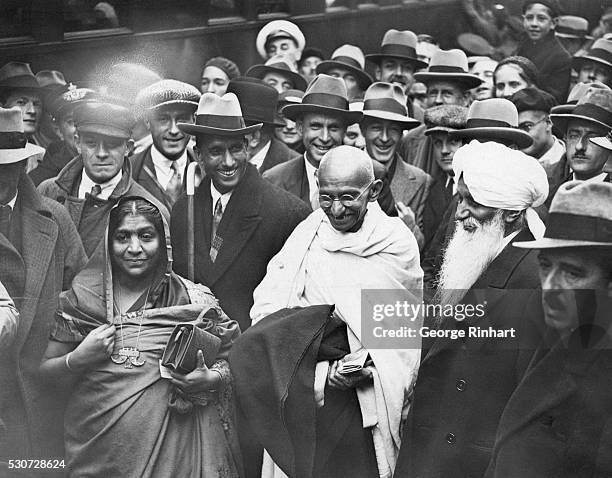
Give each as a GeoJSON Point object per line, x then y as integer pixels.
{"type": "Point", "coordinates": [403, 184]}
{"type": "Point", "coordinates": [297, 181]}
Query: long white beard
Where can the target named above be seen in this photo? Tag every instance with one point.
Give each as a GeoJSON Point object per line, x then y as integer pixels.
{"type": "Point", "coordinates": [467, 256]}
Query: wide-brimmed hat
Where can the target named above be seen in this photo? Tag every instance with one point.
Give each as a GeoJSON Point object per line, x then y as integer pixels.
{"type": "Point", "coordinates": [494, 118]}
{"type": "Point", "coordinates": [445, 118]}
{"type": "Point", "coordinates": [278, 29]}
{"type": "Point", "coordinates": [258, 100]}
{"type": "Point", "coordinates": [603, 141]}
{"type": "Point", "coordinates": [578, 91]}
{"type": "Point", "coordinates": [349, 57]}
{"type": "Point", "coordinates": [325, 94]}
{"type": "Point", "coordinates": [166, 93]}
{"type": "Point", "coordinates": [580, 216]}
{"type": "Point", "coordinates": [67, 101]}
{"type": "Point", "coordinates": [600, 52]}
{"type": "Point", "coordinates": [219, 115]}
{"type": "Point", "coordinates": [14, 146]}
{"type": "Point", "coordinates": [448, 65]}
{"type": "Point", "coordinates": [387, 101]}
{"type": "Point", "coordinates": [595, 106]}
{"type": "Point", "coordinates": [571, 26]}
{"type": "Point", "coordinates": [16, 75]}
{"type": "Point", "coordinates": [104, 118]}
{"type": "Point", "coordinates": [278, 64]}
{"type": "Point", "coordinates": [398, 44]}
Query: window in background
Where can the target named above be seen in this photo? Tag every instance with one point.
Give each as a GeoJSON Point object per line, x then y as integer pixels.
{"type": "Point", "coordinates": [15, 18]}
{"type": "Point", "coordinates": [82, 15]}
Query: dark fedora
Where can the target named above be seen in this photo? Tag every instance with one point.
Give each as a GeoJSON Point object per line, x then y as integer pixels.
{"type": "Point", "coordinates": [219, 115]}
{"type": "Point", "coordinates": [494, 118]}
{"type": "Point", "coordinates": [278, 64]}
{"type": "Point", "coordinates": [351, 58]}
{"type": "Point", "coordinates": [595, 107]}
{"type": "Point", "coordinates": [448, 65]}
{"type": "Point", "coordinates": [600, 52]}
{"type": "Point", "coordinates": [398, 44]}
{"type": "Point", "coordinates": [259, 101]}
{"type": "Point", "coordinates": [18, 75]}
{"type": "Point", "coordinates": [325, 94]}
{"type": "Point", "coordinates": [578, 91]}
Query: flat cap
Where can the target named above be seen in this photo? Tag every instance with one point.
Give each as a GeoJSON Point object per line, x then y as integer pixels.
{"type": "Point", "coordinates": [445, 118]}
{"type": "Point", "coordinates": [167, 92]}
{"type": "Point", "coordinates": [533, 99]}
{"type": "Point", "coordinates": [104, 118]}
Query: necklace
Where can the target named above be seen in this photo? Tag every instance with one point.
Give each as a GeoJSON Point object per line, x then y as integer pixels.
{"type": "Point", "coordinates": [129, 357]}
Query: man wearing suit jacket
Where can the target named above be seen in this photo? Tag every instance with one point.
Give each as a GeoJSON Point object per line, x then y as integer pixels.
{"type": "Point", "coordinates": [464, 383]}
{"type": "Point", "coordinates": [241, 221]}
{"type": "Point", "coordinates": [161, 167]}
{"type": "Point", "coordinates": [40, 252]}
{"type": "Point", "coordinates": [259, 103]}
{"type": "Point", "coordinates": [558, 421]}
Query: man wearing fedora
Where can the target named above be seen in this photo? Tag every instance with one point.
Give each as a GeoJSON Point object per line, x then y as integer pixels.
{"type": "Point", "coordinates": [279, 73]}
{"type": "Point", "coordinates": [94, 181]}
{"type": "Point", "coordinates": [307, 66]}
{"type": "Point", "coordinates": [385, 118]}
{"type": "Point", "coordinates": [595, 64]}
{"type": "Point", "coordinates": [161, 167]}
{"type": "Point", "coordinates": [41, 252]}
{"type": "Point", "coordinates": [19, 87]}
{"type": "Point", "coordinates": [573, 33]}
{"type": "Point", "coordinates": [259, 105]}
{"type": "Point", "coordinates": [557, 422]}
{"type": "Point", "coordinates": [465, 382]}
{"type": "Point", "coordinates": [347, 62]}
{"type": "Point", "coordinates": [288, 133]}
{"type": "Point", "coordinates": [281, 37]}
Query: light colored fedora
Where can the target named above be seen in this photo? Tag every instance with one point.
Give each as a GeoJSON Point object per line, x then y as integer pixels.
{"type": "Point", "coordinates": [387, 101]}
{"type": "Point", "coordinates": [278, 29]}
{"type": "Point", "coordinates": [595, 106]}
{"type": "Point", "coordinates": [494, 118]}
{"type": "Point", "coordinates": [278, 64]}
{"type": "Point", "coordinates": [600, 52]}
{"type": "Point", "coordinates": [349, 57]}
{"type": "Point", "coordinates": [578, 91]}
{"type": "Point", "coordinates": [580, 216]}
{"type": "Point", "coordinates": [401, 45]}
{"type": "Point", "coordinates": [219, 115]}
{"type": "Point", "coordinates": [570, 26]}
{"type": "Point", "coordinates": [14, 146]}
{"type": "Point", "coordinates": [325, 94]}
{"type": "Point", "coordinates": [448, 65]}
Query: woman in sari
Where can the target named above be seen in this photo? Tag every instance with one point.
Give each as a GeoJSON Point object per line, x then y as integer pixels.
{"type": "Point", "coordinates": [123, 418]}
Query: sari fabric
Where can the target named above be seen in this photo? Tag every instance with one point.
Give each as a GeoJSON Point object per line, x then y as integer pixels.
{"type": "Point", "coordinates": [124, 421]}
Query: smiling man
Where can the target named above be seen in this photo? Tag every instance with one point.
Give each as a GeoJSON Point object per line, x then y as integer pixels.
{"type": "Point", "coordinates": [94, 181]}
{"type": "Point", "coordinates": [161, 167]}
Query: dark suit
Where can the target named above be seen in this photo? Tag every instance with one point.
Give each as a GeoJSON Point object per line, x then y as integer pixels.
{"type": "Point", "coordinates": [437, 202]}
{"type": "Point", "coordinates": [256, 223]}
{"type": "Point", "coordinates": [278, 153]}
{"type": "Point", "coordinates": [464, 384]}
{"type": "Point", "coordinates": [40, 260]}
{"type": "Point", "coordinates": [143, 172]}
{"type": "Point", "coordinates": [563, 174]}
{"type": "Point", "coordinates": [558, 422]}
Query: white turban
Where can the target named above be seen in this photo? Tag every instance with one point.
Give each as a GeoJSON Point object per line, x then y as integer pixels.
{"type": "Point", "coordinates": [502, 178]}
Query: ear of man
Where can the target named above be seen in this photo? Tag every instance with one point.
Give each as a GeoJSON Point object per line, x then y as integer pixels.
{"type": "Point", "coordinates": [375, 190]}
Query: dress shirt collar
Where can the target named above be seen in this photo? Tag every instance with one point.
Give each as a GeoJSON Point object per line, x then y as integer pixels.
{"type": "Point", "coordinates": [216, 195]}
{"type": "Point", "coordinates": [258, 158]}
{"type": "Point", "coordinates": [107, 188]}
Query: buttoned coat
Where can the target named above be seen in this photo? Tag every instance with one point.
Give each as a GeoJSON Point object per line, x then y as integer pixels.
{"type": "Point", "coordinates": [51, 255]}
{"type": "Point", "coordinates": [464, 384]}
{"type": "Point", "coordinates": [257, 221]}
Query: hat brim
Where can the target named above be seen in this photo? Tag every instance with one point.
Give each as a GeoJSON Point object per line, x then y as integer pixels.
{"type": "Point", "coordinates": [363, 79]}
{"type": "Point", "coordinates": [439, 129]}
{"type": "Point", "coordinates": [192, 104]}
{"type": "Point", "coordinates": [251, 121]}
{"type": "Point", "coordinates": [105, 130]}
{"type": "Point", "coordinates": [377, 57]}
{"type": "Point", "coordinates": [577, 61]}
{"type": "Point", "coordinates": [195, 129]}
{"type": "Point", "coordinates": [470, 81]}
{"type": "Point", "coordinates": [407, 122]}
{"type": "Point", "coordinates": [551, 243]}
{"type": "Point", "coordinates": [10, 156]}
{"type": "Point", "coordinates": [562, 109]}
{"type": "Point", "coordinates": [560, 121]}
{"type": "Point", "coordinates": [295, 111]}
{"type": "Point", "coordinates": [577, 37]}
{"type": "Point", "coordinates": [602, 142]}
{"type": "Point", "coordinates": [259, 71]}
{"type": "Point", "coordinates": [520, 138]}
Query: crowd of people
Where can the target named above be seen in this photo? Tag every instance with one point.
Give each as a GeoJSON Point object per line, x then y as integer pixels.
{"type": "Point", "coordinates": [242, 222]}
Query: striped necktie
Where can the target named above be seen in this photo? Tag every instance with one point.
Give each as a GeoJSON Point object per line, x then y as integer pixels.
{"type": "Point", "coordinates": [216, 241]}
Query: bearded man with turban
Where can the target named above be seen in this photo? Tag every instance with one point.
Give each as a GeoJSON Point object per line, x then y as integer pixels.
{"type": "Point", "coordinates": [465, 382]}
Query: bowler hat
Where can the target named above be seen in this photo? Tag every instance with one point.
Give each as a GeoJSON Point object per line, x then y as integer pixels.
{"type": "Point", "coordinates": [14, 146]}
{"type": "Point", "coordinates": [278, 64]}
{"type": "Point", "coordinates": [351, 58]}
{"type": "Point", "coordinates": [219, 115]}
{"type": "Point", "coordinates": [595, 107]}
{"type": "Point", "coordinates": [278, 29]}
{"type": "Point", "coordinates": [600, 52]}
{"type": "Point", "coordinates": [326, 95]}
{"type": "Point", "coordinates": [570, 26]}
{"type": "Point", "coordinates": [18, 75]}
{"type": "Point", "coordinates": [168, 92]}
{"type": "Point", "coordinates": [401, 45]}
{"type": "Point", "coordinates": [578, 91]}
{"type": "Point", "coordinates": [387, 101]}
{"type": "Point", "coordinates": [258, 100]}
{"type": "Point", "coordinates": [533, 99]}
{"type": "Point", "coordinates": [580, 216]}
{"type": "Point", "coordinates": [448, 65]}
{"type": "Point", "coordinates": [107, 119]}
{"type": "Point", "coordinates": [445, 118]}
{"type": "Point", "coordinates": [494, 118]}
